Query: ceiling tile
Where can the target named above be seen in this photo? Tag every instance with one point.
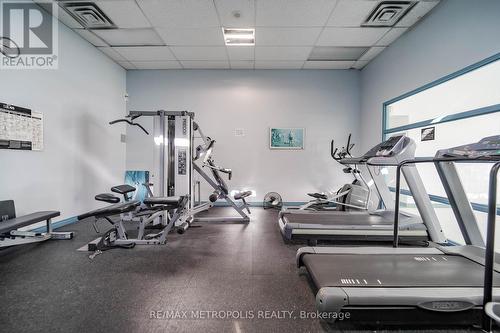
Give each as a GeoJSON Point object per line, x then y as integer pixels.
{"type": "Point", "coordinates": [242, 64]}
{"type": "Point", "coordinates": [351, 13]}
{"type": "Point", "coordinates": [293, 13]}
{"type": "Point", "coordinates": [124, 14]}
{"type": "Point", "coordinates": [329, 53]}
{"type": "Point", "coordinates": [126, 64]}
{"type": "Point", "coordinates": [282, 53]}
{"type": "Point", "coordinates": [157, 64]}
{"type": "Point", "coordinates": [110, 52]}
{"type": "Point", "coordinates": [279, 64]}
{"type": "Point", "coordinates": [416, 13]}
{"type": "Point", "coordinates": [187, 64]}
{"type": "Point", "coordinates": [67, 19]}
{"type": "Point", "coordinates": [228, 8]}
{"type": "Point", "coordinates": [350, 36]}
{"type": "Point", "coordinates": [192, 36]}
{"type": "Point", "coordinates": [372, 53]}
{"type": "Point", "coordinates": [200, 53]}
{"type": "Point", "coordinates": [125, 37]}
{"type": "Point", "coordinates": [286, 36]}
{"type": "Point", "coordinates": [90, 37]}
{"type": "Point", "coordinates": [328, 64]}
{"type": "Point", "coordinates": [180, 13]}
{"type": "Point", "coordinates": [360, 64]}
{"type": "Point", "coordinates": [391, 36]}
{"type": "Point", "coordinates": [240, 52]}
{"type": "Point", "coordinates": [145, 53]}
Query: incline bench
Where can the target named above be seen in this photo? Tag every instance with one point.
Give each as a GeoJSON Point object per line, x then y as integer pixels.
{"type": "Point", "coordinates": [9, 225]}
{"type": "Point", "coordinates": [143, 215]}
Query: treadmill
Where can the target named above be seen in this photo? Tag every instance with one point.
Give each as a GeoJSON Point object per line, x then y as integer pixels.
{"type": "Point", "coordinates": [375, 225]}
{"type": "Point", "coordinates": [440, 285]}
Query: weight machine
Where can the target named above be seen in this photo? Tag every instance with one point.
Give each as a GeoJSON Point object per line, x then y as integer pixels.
{"type": "Point", "coordinates": [175, 164]}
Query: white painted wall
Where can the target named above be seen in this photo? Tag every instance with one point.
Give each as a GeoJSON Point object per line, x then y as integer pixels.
{"type": "Point", "coordinates": [325, 102]}
{"type": "Point", "coordinates": [457, 33]}
{"type": "Point", "coordinates": [83, 155]}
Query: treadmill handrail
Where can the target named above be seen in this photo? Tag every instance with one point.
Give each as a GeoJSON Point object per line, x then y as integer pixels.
{"type": "Point", "coordinates": [420, 160]}
{"type": "Point", "coordinates": [489, 260]}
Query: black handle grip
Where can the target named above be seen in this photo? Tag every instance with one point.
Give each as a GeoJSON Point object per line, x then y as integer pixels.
{"type": "Point", "coordinates": [130, 123]}
{"type": "Point", "coordinates": [333, 151]}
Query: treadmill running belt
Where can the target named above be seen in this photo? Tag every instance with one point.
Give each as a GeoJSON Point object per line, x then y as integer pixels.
{"type": "Point", "coordinates": [329, 220]}
{"type": "Point", "coordinates": [350, 270]}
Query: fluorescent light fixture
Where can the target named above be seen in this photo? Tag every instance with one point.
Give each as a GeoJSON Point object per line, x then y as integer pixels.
{"type": "Point", "coordinates": [239, 36]}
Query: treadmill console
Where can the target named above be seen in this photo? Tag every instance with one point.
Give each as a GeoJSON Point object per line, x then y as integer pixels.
{"type": "Point", "coordinates": [487, 148]}
{"type": "Point", "coordinates": [392, 150]}
{"type": "Point", "coordinates": [391, 146]}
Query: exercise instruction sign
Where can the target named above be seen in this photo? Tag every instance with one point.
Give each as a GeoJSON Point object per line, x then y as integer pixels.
{"type": "Point", "coordinates": [20, 128]}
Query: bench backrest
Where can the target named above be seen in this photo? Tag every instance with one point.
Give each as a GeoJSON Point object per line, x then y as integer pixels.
{"type": "Point", "coordinates": [7, 210]}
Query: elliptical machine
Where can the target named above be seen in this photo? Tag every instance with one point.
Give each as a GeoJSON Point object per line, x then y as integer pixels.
{"type": "Point", "coordinates": [356, 195]}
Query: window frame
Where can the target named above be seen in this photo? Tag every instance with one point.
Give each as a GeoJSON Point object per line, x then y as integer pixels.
{"type": "Point", "coordinates": [453, 117]}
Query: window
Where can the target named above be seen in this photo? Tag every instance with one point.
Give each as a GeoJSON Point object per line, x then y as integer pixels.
{"type": "Point", "coordinates": [460, 108]}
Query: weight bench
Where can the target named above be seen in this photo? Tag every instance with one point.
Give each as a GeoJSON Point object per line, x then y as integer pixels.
{"type": "Point", "coordinates": [9, 225]}
{"type": "Point", "coordinates": [133, 211]}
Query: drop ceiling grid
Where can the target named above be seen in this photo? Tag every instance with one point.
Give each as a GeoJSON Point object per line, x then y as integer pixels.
{"type": "Point", "coordinates": [158, 33]}
{"type": "Point", "coordinates": [288, 24]}
{"type": "Point", "coordinates": [220, 26]}
{"type": "Point", "coordinates": [323, 29]}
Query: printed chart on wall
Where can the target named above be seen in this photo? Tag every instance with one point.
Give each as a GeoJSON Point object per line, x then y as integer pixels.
{"type": "Point", "coordinates": [20, 128]}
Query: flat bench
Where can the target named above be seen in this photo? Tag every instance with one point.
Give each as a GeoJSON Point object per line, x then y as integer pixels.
{"type": "Point", "coordinates": [26, 220]}
{"type": "Point", "coordinates": [10, 224]}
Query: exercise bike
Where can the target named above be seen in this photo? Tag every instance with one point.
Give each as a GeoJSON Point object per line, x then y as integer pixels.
{"type": "Point", "coordinates": [356, 195]}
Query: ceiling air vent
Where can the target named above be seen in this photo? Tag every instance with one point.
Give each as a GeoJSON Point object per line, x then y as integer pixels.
{"type": "Point", "coordinates": [88, 14]}
{"type": "Point", "coordinates": [388, 13]}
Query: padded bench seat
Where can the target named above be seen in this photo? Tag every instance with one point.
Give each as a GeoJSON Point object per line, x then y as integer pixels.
{"type": "Point", "coordinates": [241, 195]}
{"type": "Point", "coordinates": [171, 201]}
{"type": "Point", "coordinates": [26, 220]}
{"type": "Point", "coordinates": [318, 196]}
{"type": "Point", "coordinates": [115, 209]}
{"type": "Point", "coordinates": [107, 197]}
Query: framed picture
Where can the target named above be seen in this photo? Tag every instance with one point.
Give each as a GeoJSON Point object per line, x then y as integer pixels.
{"type": "Point", "coordinates": [428, 134]}
{"type": "Point", "coordinates": [286, 138]}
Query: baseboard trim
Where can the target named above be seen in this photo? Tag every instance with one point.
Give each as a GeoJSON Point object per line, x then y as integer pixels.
{"type": "Point", "coordinates": [57, 225]}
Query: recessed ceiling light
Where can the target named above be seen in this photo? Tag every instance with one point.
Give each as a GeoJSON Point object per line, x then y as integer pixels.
{"type": "Point", "coordinates": [239, 36]}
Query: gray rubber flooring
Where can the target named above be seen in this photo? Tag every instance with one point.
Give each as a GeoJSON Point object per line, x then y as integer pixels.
{"type": "Point", "coordinates": [214, 270]}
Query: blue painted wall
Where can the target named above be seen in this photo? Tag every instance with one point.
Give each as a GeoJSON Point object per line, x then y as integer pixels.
{"type": "Point", "coordinates": [82, 154]}
{"type": "Point", "coordinates": [455, 34]}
